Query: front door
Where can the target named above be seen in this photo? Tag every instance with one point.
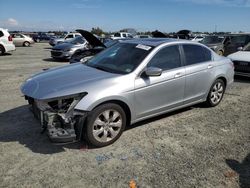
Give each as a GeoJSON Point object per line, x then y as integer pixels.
{"type": "Point", "coordinates": [156, 94]}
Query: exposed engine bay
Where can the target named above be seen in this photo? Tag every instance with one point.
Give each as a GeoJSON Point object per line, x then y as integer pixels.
{"type": "Point", "coordinates": [59, 118]}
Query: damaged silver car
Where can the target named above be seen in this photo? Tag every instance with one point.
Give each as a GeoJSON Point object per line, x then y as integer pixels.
{"type": "Point", "coordinates": [126, 83]}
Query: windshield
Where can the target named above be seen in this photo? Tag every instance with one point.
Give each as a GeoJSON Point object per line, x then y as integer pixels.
{"type": "Point", "coordinates": [121, 58]}
{"type": "Point", "coordinates": [77, 40]}
{"type": "Point", "coordinates": [212, 40]}
{"type": "Point", "coordinates": [238, 39]}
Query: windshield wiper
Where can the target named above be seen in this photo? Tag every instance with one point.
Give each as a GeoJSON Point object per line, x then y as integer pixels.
{"type": "Point", "coordinates": [100, 68]}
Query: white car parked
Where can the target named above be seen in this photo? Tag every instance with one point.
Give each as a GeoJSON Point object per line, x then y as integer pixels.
{"type": "Point", "coordinates": [198, 38]}
{"type": "Point", "coordinates": [241, 60]}
{"type": "Point", "coordinates": [6, 42]}
{"type": "Point", "coordinates": [121, 35]}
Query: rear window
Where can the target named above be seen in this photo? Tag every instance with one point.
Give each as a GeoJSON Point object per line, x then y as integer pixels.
{"type": "Point", "coordinates": [196, 54]}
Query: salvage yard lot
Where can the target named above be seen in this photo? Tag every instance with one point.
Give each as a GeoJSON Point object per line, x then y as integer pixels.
{"type": "Point", "coordinates": [194, 147]}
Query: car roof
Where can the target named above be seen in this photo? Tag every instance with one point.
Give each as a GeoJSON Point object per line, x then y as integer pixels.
{"type": "Point", "coordinates": [155, 41]}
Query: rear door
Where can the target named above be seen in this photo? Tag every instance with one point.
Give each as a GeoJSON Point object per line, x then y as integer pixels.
{"type": "Point", "coordinates": [157, 94]}
{"type": "Point", "coordinates": [199, 72]}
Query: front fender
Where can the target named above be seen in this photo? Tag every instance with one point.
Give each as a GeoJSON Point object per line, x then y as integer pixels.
{"type": "Point", "coordinates": [88, 103]}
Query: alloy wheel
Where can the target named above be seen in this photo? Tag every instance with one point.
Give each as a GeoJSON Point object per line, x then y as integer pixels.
{"type": "Point", "coordinates": [107, 125]}
{"type": "Point", "coordinates": [217, 93]}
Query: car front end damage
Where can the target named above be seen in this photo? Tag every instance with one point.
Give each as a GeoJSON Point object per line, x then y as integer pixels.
{"type": "Point", "coordinates": [59, 118]}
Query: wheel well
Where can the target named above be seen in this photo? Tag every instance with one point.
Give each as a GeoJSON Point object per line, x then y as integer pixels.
{"type": "Point", "coordinates": [224, 80]}
{"type": "Point", "coordinates": [124, 107]}
{"type": "Point", "coordinates": [1, 46]}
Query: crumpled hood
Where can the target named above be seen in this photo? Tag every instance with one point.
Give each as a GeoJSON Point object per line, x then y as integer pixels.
{"type": "Point", "coordinates": [240, 56]}
{"type": "Point", "coordinates": [63, 81]}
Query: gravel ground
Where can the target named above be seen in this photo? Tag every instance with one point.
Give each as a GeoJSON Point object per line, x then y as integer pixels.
{"type": "Point", "coordinates": [194, 147]}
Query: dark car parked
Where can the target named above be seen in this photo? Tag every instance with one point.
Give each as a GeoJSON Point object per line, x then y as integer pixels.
{"type": "Point", "coordinates": [183, 34]}
{"type": "Point", "coordinates": [233, 43]}
{"type": "Point", "coordinates": [42, 37]}
{"type": "Point", "coordinates": [216, 43]}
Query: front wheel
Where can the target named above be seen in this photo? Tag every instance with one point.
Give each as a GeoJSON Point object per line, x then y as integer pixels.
{"type": "Point", "coordinates": [26, 44]}
{"type": "Point", "coordinates": [216, 93]}
{"type": "Point", "coordinates": [105, 124]}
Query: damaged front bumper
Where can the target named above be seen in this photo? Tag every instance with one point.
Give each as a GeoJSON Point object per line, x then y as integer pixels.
{"type": "Point", "coordinates": [59, 118]}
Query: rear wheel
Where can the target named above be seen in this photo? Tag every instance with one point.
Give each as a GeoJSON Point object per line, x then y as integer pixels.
{"type": "Point", "coordinates": [2, 50]}
{"type": "Point", "coordinates": [105, 124]}
{"type": "Point", "coordinates": [216, 93]}
{"type": "Point", "coordinates": [26, 44]}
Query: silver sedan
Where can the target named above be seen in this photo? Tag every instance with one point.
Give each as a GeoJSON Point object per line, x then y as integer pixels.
{"type": "Point", "coordinates": [126, 83]}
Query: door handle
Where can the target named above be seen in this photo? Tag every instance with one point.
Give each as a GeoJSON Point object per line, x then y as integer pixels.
{"type": "Point", "coordinates": [178, 75]}
{"type": "Point", "coordinates": [210, 66]}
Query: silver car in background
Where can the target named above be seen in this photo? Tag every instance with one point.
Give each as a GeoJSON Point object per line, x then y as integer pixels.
{"type": "Point", "coordinates": [22, 40]}
{"type": "Point", "coordinates": [126, 83]}
{"type": "Point", "coordinates": [66, 49]}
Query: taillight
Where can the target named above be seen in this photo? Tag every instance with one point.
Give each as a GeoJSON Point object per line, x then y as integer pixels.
{"type": "Point", "coordinates": [10, 38]}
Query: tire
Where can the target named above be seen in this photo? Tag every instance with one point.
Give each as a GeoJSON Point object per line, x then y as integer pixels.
{"type": "Point", "coordinates": [220, 52]}
{"type": "Point", "coordinates": [105, 125]}
{"type": "Point", "coordinates": [26, 44]}
{"type": "Point", "coordinates": [216, 93]}
{"type": "Point", "coordinates": [2, 50]}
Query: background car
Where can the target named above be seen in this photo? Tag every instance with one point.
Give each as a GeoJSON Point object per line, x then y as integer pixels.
{"type": "Point", "coordinates": [183, 34]}
{"type": "Point", "coordinates": [197, 38]}
{"type": "Point", "coordinates": [42, 37]}
{"type": "Point", "coordinates": [69, 36]}
{"type": "Point", "coordinates": [95, 46]}
{"type": "Point", "coordinates": [66, 49]}
{"type": "Point", "coordinates": [121, 35]}
{"type": "Point", "coordinates": [124, 84]}
{"type": "Point", "coordinates": [216, 43]}
{"type": "Point", "coordinates": [233, 42]}
{"type": "Point", "coordinates": [21, 39]}
{"type": "Point", "coordinates": [241, 60]}
{"type": "Point", "coordinates": [6, 42]}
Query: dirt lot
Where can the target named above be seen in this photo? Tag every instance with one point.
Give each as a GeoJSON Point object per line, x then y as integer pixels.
{"type": "Point", "coordinates": [194, 147]}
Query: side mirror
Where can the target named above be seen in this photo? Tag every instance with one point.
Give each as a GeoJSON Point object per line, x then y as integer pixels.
{"type": "Point", "coordinates": [240, 48]}
{"type": "Point", "coordinates": [153, 71]}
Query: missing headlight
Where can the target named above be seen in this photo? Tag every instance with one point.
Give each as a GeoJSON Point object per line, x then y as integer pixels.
{"type": "Point", "coordinates": [58, 117]}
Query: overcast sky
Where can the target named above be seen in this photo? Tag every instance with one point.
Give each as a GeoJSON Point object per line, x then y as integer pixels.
{"type": "Point", "coordinates": [113, 15]}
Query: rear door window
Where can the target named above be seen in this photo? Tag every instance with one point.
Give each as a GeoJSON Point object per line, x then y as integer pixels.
{"type": "Point", "coordinates": [196, 54]}
{"type": "Point", "coordinates": [1, 34]}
